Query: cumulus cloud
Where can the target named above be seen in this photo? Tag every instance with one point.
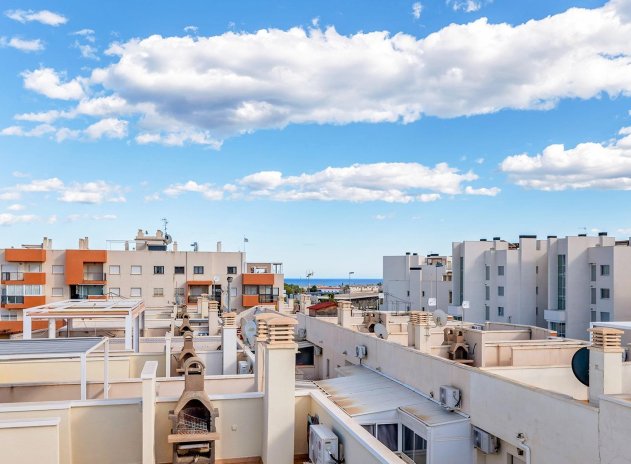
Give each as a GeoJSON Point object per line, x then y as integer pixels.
{"type": "Point", "coordinates": [36, 131]}
{"type": "Point", "coordinates": [7, 219]}
{"type": "Point", "coordinates": [87, 50]}
{"type": "Point", "coordinates": [389, 182]}
{"type": "Point", "coordinates": [588, 165]}
{"type": "Point", "coordinates": [43, 16]}
{"type": "Point", "coordinates": [191, 29]}
{"type": "Point", "coordinates": [77, 192]}
{"type": "Point", "coordinates": [201, 90]}
{"type": "Point", "coordinates": [208, 191]}
{"type": "Point", "coordinates": [417, 9]}
{"type": "Point", "coordinates": [111, 128]}
{"type": "Point", "coordinates": [20, 174]}
{"type": "Point", "coordinates": [15, 207]}
{"type": "Point", "coordinates": [87, 34]}
{"type": "Point", "coordinates": [47, 81]}
{"type": "Point", "coordinates": [34, 45]}
{"type": "Point", "coordinates": [6, 196]}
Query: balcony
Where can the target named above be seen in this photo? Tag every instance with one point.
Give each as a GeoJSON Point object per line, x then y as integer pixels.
{"type": "Point", "coordinates": [12, 276]}
{"type": "Point", "coordinates": [10, 300]}
{"type": "Point", "coordinates": [94, 277]}
{"type": "Point", "coordinates": [554, 315]}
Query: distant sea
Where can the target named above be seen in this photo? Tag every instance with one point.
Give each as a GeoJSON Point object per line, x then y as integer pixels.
{"type": "Point", "coordinates": [332, 282]}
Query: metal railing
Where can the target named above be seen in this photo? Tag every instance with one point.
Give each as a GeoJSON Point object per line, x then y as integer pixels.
{"type": "Point", "coordinates": [10, 299]}
{"type": "Point", "coordinates": [91, 276]}
{"type": "Point", "coordinates": [268, 298]}
{"type": "Point", "coordinates": [12, 276]}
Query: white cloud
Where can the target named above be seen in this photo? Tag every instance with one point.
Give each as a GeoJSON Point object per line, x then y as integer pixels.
{"type": "Point", "coordinates": [7, 219]}
{"type": "Point", "coordinates": [43, 16]}
{"type": "Point", "coordinates": [19, 131]}
{"type": "Point", "coordinates": [92, 192]}
{"type": "Point", "coordinates": [44, 116]}
{"type": "Point", "coordinates": [487, 192]}
{"type": "Point", "coordinates": [153, 197]}
{"type": "Point", "coordinates": [67, 134]}
{"type": "Point", "coordinates": [34, 45]}
{"type": "Point", "coordinates": [87, 34]}
{"type": "Point", "coordinates": [480, 160]}
{"type": "Point", "coordinates": [112, 128]}
{"type": "Point", "coordinates": [389, 182]}
{"type": "Point", "coordinates": [468, 6]}
{"type": "Point", "coordinates": [191, 29]}
{"type": "Point", "coordinates": [15, 207]}
{"type": "Point", "coordinates": [201, 90]}
{"type": "Point", "coordinates": [208, 191]}
{"type": "Point", "coordinates": [47, 81]}
{"type": "Point", "coordinates": [6, 196]}
{"type": "Point", "coordinates": [52, 219]}
{"type": "Point", "coordinates": [20, 174]}
{"type": "Point", "coordinates": [586, 166]}
{"type": "Point", "coordinates": [41, 185]}
{"type": "Point", "coordinates": [417, 9]}
{"type": "Point", "coordinates": [380, 217]}
{"type": "Point", "coordinates": [87, 50]}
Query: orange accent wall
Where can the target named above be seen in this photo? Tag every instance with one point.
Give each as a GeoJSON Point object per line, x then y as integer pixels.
{"type": "Point", "coordinates": [34, 278]}
{"type": "Point", "coordinates": [258, 279]}
{"type": "Point", "coordinates": [250, 300]}
{"type": "Point", "coordinates": [29, 302]}
{"type": "Point", "coordinates": [75, 260]}
{"type": "Point", "coordinates": [25, 255]}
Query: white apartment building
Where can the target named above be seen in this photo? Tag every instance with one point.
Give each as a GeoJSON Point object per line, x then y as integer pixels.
{"type": "Point", "coordinates": [149, 267]}
{"type": "Point", "coordinates": [502, 281]}
{"type": "Point", "coordinates": [411, 281]}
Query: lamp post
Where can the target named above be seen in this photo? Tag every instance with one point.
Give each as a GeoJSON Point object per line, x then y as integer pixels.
{"type": "Point", "coordinates": [349, 281]}
{"type": "Point", "coordinates": [229, 291]}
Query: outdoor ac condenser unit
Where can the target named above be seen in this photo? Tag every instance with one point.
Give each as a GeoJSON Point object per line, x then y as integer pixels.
{"type": "Point", "coordinates": [323, 445]}
{"type": "Point", "coordinates": [485, 442]}
{"type": "Point", "coordinates": [243, 368]}
{"type": "Point", "coordinates": [449, 396]}
{"type": "Point", "coordinates": [361, 351]}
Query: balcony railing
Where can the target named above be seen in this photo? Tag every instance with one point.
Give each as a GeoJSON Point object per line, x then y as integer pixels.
{"type": "Point", "coordinates": [93, 276]}
{"type": "Point", "coordinates": [10, 299]}
{"type": "Point", "coordinates": [268, 298]}
{"type": "Point", "coordinates": [12, 276]}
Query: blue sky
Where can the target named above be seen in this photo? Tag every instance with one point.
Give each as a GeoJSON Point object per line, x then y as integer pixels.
{"type": "Point", "coordinates": [328, 133]}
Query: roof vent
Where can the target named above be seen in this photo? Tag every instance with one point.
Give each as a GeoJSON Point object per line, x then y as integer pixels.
{"type": "Point", "coordinates": [552, 236]}
{"type": "Point", "coordinates": [229, 319]}
{"type": "Point", "coordinates": [602, 234]}
{"type": "Point", "coordinates": [483, 240]}
{"type": "Point", "coordinates": [280, 330]}
{"type": "Point", "coordinates": [497, 238]}
{"type": "Point", "coordinates": [606, 339]}
{"type": "Point", "coordinates": [527, 236]}
{"type": "Point", "coordinates": [582, 235]}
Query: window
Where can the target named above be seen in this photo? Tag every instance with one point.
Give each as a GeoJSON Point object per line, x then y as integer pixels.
{"type": "Point", "coordinates": [158, 269]}
{"type": "Point", "coordinates": [179, 291]}
{"type": "Point", "coordinates": [136, 270]}
{"type": "Point", "coordinates": [305, 356]}
{"type": "Point", "coordinates": [500, 270]}
{"type": "Point", "coordinates": [115, 270]}
{"type": "Point", "coordinates": [487, 272]}
{"type": "Point", "coordinates": [593, 316]}
{"type": "Point", "coordinates": [232, 269]}
{"type": "Point", "coordinates": [604, 317]}
{"type": "Point", "coordinates": [500, 291]}
{"type": "Point", "coordinates": [158, 292]}
{"type": "Point", "coordinates": [198, 269]}
{"type": "Point", "coordinates": [135, 292]}
{"type": "Point", "coordinates": [537, 290]}
{"type": "Point", "coordinates": [536, 269]}
{"type": "Point", "coordinates": [57, 291]}
{"type": "Point", "coordinates": [423, 293]}
{"type": "Point", "coordinates": [500, 311]}
{"type": "Point", "coordinates": [115, 291]}
{"type": "Point", "coordinates": [487, 312]}
{"type": "Point", "coordinates": [558, 327]}
{"type": "Point", "coordinates": [388, 434]}
{"type": "Point", "coordinates": [593, 292]}
{"type": "Point", "coordinates": [604, 270]}
{"type": "Point", "coordinates": [561, 282]}
{"type": "Point", "coordinates": [178, 270]}
{"type": "Point", "coordinates": [34, 267]}
{"type": "Point", "coordinates": [604, 293]}
{"type": "Point", "coordinates": [487, 293]}
{"type": "Point", "coordinates": [58, 269]}
{"type": "Point", "coordinates": [233, 291]}
{"type": "Point", "coordinates": [451, 297]}
{"type": "Point", "coordinates": [592, 272]}
{"type": "Point", "coordinates": [250, 290]}
{"type": "Point", "coordinates": [414, 446]}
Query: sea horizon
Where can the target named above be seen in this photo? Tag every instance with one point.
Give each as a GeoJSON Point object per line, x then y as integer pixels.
{"type": "Point", "coordinates": [331, 282]}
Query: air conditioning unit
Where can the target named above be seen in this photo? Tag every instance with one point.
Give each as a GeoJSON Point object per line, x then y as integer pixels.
{"type": "Point", "coordinates": [485, 442]}
{"type": "Point", "coordinates": [361, 351]}
{"type": "Point", "coordinates": [243, 368]}
{"type": "Point", "coordinates": [317, 350]}
{"type": "Point", "coordinates": [323, 445]}
{"type": "Point", "coordinates": [449, 396]}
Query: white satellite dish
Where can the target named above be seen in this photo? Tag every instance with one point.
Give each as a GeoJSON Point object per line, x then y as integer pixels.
{"type": "Point", "coordinates": [381, 331]}
{"type": "Point", "coordinates": [440, 318]}
{"type": "Point", "coordinates": [465, 304]}
{"type": "Point", "coordinates": [431, 302]}
{"type": "Point", "coordinates": [249, 332]}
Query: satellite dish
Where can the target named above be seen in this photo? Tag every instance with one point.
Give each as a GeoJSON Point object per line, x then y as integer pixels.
{"type": "Point", "coordinates": [381, 331]}
{"type": "Point", "coordinates": [168, 238]}
{"type": "Point", "coordinates": [465, 304]}
{"type": "Point", "coordinates": [431, 302]}
{"type": "Point", "coordinates": [580, 365]}
{"type": "Point", "coordinates": [440, 318]}
{"type": "Point", "coordinates": [249, 332]}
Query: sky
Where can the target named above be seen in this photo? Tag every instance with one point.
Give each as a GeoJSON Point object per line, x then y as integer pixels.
{"type": "Point", "coordinates": [328, 133]}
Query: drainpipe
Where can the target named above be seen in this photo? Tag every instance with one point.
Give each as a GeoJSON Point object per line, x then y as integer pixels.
{"type": "Point", "coordinates": [522, 446]}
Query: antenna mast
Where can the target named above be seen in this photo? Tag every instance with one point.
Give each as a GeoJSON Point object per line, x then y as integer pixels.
{"type": "Point", "coordinates": [165, 222]}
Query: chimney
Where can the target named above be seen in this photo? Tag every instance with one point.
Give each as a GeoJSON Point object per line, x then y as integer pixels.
{"type": "Point", "coordinates": [126, 245]}
{"type": "Point", "coordinates": [229, 343]}
{"type": "Point", "coordinates": [174, 246]}
{"type": "Point", "coordinates": [421, 323]}
{"type": "Point", "coordinates": [261, 340]}
{"type": "Point", "coordinates": [279, 403]}
{"type": "Point", "coordinates": [344, 313]}
{"type": "Point", "coordinates": [413, 319]}
{"type": "Point", "coordinates": [605, 363]}
{"type": "Point", "coordinates": [86, 243]}
{"type": "Point", "coordinates": [218, 247]}
{"type": "Point", "coordinates": [213, 317]}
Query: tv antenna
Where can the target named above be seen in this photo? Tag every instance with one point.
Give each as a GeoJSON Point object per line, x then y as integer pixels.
{"type": "Point", "coordinates": [165, 221]}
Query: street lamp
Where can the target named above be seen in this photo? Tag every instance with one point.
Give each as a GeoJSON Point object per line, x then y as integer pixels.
{"type": "Point", "coordinates": [229, 291]}
{"type": "Point", "coordinates": [349, 281]}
